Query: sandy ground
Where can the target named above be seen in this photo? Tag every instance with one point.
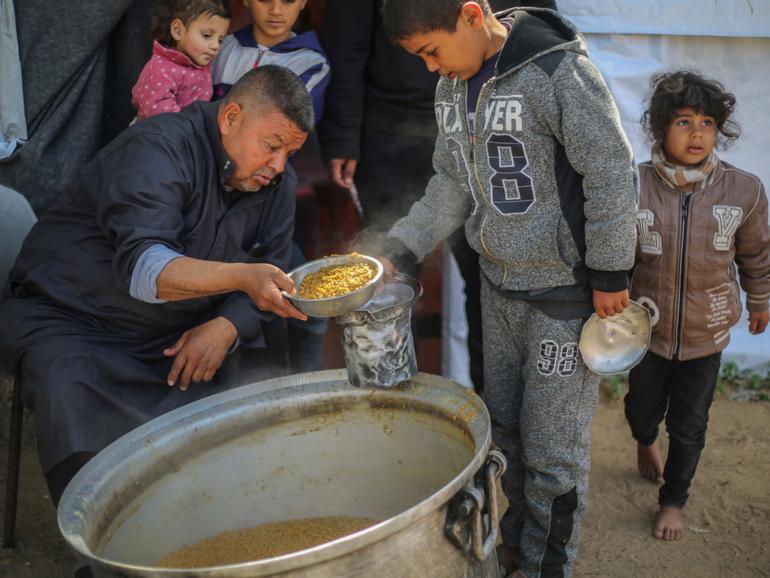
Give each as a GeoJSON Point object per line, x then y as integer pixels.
{"type": "Point", "coordinates": [728, 517]}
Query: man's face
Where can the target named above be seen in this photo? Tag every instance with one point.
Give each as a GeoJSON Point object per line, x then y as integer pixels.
{"type": "Point", "coordinates": [258, 144]}
{"type": "Point", "coordinates": [458, 54]}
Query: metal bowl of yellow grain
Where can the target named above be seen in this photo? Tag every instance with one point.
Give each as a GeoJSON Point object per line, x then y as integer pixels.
{"type": "Point", "coordinates": [348, 294]}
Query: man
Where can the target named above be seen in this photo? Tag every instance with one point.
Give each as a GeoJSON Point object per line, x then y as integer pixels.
{"type": "Point", "coordinates": [153, 266]}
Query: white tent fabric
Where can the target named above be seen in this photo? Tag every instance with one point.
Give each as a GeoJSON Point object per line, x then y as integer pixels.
{"type": "Point", "coordinates": [13, 124]}
{"type": "Point", "coordinates": [629, 41]}
{"type": "Point", "coordinates": [733, 18]}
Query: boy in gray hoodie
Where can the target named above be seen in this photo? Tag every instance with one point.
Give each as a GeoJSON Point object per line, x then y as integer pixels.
{"type": "Point", "coordinates": [532, 159]}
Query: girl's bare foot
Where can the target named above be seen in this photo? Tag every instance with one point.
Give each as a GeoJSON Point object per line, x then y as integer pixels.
{"type": "Point", "coordinates": [649, 462]}
{"type": "Point", "coordinates": [670, 524]}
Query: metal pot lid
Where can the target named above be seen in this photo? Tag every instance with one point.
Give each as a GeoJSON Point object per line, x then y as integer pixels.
{"type": "Point", "coordinates": [616, 344]}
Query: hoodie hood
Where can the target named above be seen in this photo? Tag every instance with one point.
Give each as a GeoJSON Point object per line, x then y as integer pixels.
{"type": "Point", "coordinates": [535, 32]}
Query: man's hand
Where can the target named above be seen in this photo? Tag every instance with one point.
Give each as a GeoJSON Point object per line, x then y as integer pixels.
{"type": "Point", "coordinates": [264, 283]}
{"type": "Point", "coordinates": [187, 278]}
{"type": "Point", "coordinates": [610, 302]}
{"type": "Point", "coordinates": [758, 321]}
{"type": "Point", "coordinates": [199, 352]}
{"type": "Point", "coordinates": [341, 172]}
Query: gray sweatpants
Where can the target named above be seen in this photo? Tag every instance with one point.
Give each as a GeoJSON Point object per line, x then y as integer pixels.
{"type": "Point", "coordinates": [541, 398]}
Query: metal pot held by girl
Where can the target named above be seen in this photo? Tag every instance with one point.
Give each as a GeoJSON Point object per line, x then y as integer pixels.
{"type": "Point", "coordinates": [377, 338]}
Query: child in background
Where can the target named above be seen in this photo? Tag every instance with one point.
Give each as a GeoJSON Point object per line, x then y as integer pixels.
{"type": "Point", "coordinates": [532, 160]}
{"type": "Point", "coordinates": [698, 218]}
{"type": "Point", "coordinates": [270, 40]}
{"type": "Point", "coordinates": [187, 38]}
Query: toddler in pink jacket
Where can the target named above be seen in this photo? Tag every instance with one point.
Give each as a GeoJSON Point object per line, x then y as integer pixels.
{"type": "Point", "coordinates": [187, 38]}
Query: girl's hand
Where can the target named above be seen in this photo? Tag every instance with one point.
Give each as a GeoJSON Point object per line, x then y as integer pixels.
{"type": "Point", "coordinates": [758, 321]}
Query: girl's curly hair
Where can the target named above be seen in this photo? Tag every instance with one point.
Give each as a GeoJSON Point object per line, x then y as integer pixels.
{"type": "Point", "coordinates": [672, 91]}
{"type": "Point", "coordinates": [166, 11]}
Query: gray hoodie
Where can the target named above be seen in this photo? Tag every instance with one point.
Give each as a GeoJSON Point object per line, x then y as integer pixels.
{"type": "Point", "coordinates": [546, 187]}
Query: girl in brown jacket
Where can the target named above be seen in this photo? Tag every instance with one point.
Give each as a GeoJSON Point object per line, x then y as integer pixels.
{"type": "Point", "coordinates": [699, 218]}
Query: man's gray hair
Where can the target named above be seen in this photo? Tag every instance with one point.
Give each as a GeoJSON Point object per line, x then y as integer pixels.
{"type": "Point", "coordinates": [275, 87]}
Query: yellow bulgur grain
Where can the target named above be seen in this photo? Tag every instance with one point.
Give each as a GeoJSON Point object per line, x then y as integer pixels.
{"type": "Point", "coordinates": [336, 280]}
{"type": "Point", "coordinates": [260, 542]}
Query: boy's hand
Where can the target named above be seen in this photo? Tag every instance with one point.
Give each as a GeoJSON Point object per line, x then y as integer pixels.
{"type": "Point", "coordinates": [610, 303]}
{"type": "Point", "coordinates": [758, 321]}
{"type": "Point", "coordinates": [388, 269]}
{"type": "Point", "coordinates": [341, 172]}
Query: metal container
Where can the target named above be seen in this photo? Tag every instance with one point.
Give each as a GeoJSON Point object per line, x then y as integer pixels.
{"type": "Point", "coordinates": [377, 339]}
{"type": "Point", "coordinates": [616, 343]}
{"type": "Point", "coordinates": [416, 457]}
{"type": "Point", "coordinates": [332, 306]}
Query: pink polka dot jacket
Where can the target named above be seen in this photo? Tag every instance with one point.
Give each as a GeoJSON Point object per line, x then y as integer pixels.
{"type": "Point", "coordinates": [168, 82]}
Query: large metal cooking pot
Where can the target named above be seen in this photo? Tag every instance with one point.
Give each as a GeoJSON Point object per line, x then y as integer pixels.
{"type": "Point", "coordinates": [416, 456]}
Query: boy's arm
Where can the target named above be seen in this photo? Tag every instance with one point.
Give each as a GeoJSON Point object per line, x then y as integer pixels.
{"type": "Point", "coordinates": [752, 255]}
{"type": "Point", "coordinates": [577, 106]}
{"type": "Point", "coordinates": [441, 210]}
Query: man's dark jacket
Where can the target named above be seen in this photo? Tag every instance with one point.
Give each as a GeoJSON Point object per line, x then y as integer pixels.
{"type": "Point", "coordinates": [160, 182]}
{"type": "Point", "coordinates": [88, 354]}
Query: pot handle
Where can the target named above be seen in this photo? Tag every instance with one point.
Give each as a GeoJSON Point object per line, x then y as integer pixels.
{"type": "Point", "coordinates": [470, 504]}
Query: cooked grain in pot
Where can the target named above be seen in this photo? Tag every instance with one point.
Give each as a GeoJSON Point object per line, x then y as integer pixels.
{"type": "Point", "coordinates": [336, 280]}
{"type": "Point", "coordinates": [265, 541]}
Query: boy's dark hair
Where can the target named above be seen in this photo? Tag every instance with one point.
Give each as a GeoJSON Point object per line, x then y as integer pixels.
{"type": "Point", "coordinates": [166, 11]}
{"type": "Point", "coordinates": [277, 87]}
{"type": "Point", "coordinates": [687, 89]}
{"type": "Point", "coordinates": [402, 19]}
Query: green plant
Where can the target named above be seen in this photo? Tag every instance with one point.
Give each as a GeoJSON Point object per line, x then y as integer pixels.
{"type": "Point", "coordinates": [615, 386]}
{"type": "Point", "coordinates": [730, 371]}
{"type": "Point", "coordinates": [754, 381]}
{"type": "Point", "coordinates": [737, 384]}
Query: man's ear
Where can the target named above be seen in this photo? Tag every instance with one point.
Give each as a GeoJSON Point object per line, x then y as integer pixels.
{"type": "Point", "coordinates": [230, 116]}
{"type": "Point", "coordinates": [177, 29]}
{"type": "Point", "coordinates": [471, 15]}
